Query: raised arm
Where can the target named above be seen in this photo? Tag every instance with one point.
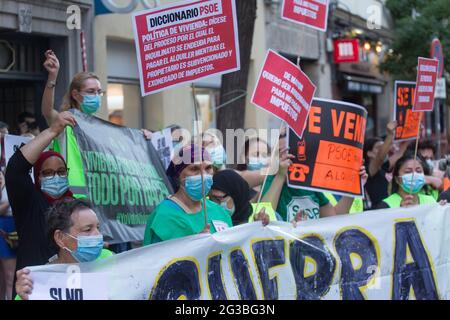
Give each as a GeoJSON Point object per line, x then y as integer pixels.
{"type": "Point", "coordinates": [375, 164]}
{"type": "Point", "coordinates": [51, 64]}
{"type": "Point", "coordinates": [32, 150]}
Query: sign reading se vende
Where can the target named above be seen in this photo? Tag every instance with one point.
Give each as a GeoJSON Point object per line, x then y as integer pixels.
{"type": "Point", "coordinates": [407, 120]}
{"type": "Point", "coordinates": [285, 91]}
{"type": "Point", "coordinates": [311, 13]}
{"type": "Point", "coordinates": [427, 71]}
{"type": "Point", "coordinates": [330, 154]}
{"type": "Point", "coordinates": [184, 42]}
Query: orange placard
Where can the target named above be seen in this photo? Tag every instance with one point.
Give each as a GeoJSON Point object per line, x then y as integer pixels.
{"type": "Point", "coordinates": [329, 155]}
{"type": "Point", "coordinates": [407, 120]}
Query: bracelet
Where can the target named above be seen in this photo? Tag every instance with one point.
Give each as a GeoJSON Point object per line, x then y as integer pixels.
{"type": "Point", "coordinates": [51, 84]}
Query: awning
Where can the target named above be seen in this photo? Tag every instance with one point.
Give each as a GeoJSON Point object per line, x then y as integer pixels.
{"type": "Point", "coordinates": [362, 84]}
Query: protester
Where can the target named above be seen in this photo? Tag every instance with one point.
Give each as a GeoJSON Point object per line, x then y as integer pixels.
{"type": "Point", "coordinates": [408, 180]}
{"type": "Point", "coordinates": [233, 193]}
{"type": "Point", "coordinates": [255, 157]}
{"type": "Point", "coordinates": [214, 146]}
{"type": "Point", "coordinates": [29, 200]}
{"type": "Point", "coordinates": [182, 214]}
{"type": "Point", "coordinates": [379, 164]}
{"type": "Point", "coordinates": [433, 178]}
{"type": "Point", "coordinates": [73, 232]}
{"type": "Point", "coordinates": [7, 243]}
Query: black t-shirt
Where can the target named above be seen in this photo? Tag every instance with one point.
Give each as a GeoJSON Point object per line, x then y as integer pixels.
{"type": "Point", "coordinates": [377, 185]}
{"type": "Point", "coordinates": [28, 206]}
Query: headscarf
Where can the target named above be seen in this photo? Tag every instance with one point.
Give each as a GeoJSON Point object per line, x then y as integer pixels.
{"type": "Point", "coordinates": [185, 156]}
{"type": "Point", "coordinates": [37, 170]}
{"type": "Point", "coordinates": [232, 184]}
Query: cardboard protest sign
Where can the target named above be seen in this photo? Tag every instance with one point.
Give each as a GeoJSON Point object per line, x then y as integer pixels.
{"type": "Point", "coordinates": [122, 174]}
{"type": "Point", "coordinates": [311, 13]}
{"type": "Point", "coordinates": [427, 71]}
{"type": "Point", "coordinates": [184, 42]}
{"type": "Point", "coordinates": [329, 155]}
{"type": "Point", "coordinates": [407, 120]}
{"type": "Point", "coordinates": [162, 142]}
{"type": "Point", "coordinates": [285, 91]}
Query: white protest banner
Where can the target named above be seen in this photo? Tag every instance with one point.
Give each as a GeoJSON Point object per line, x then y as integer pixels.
{"type": "Point", "coordinates": [12, 144]}
{"type": "Point", "coordinates": [394, 254]}
{"type": "Point", "coordinates": [185, 41]}
{"type": "Point", "coordinates": [70, 286]}
{"type": "Point", "coordinates": [162, 141]}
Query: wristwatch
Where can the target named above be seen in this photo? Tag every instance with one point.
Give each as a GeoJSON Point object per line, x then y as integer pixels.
{"type": "Point", "coordinates": [51, 84]}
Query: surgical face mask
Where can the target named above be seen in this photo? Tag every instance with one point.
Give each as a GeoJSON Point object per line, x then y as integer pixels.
{"type": "Point", "coordinates": [255, 164]}
{"type": "Point", "coordinates": [430, 163]}
{"type": "Point", "coordinates": [91, 104]}
{"type": "Point", "coordinates": [225, 206]}
{"type": "Point", "coordinates": [55, 186]}
{"type": "Point", "coordinates": [193, 186]}
{"type": "Point", "coordinates": [89, 248]}
{"type": "Point", "coordinates": [218, 156]}
{"type": "Point", "coordinates": [415, 183]}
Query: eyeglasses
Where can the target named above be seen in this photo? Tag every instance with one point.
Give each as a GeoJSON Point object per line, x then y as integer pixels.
{"type": "Point", "coordinates": [49, 173]}
{"type": "Point", "coordinates": [100, 93]}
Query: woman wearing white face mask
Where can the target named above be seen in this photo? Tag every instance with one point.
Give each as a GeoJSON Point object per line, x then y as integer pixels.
{"type": "Point", "coordinates": [216, 150]}
{"type": "Point", "coordinates": [73, 229]}
{"type": "Point", "coordinates": [407, 183]}
{"type": "Point", "coordinates": [182, 214]}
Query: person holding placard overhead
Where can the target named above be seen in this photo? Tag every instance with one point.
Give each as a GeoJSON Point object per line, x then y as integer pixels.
{"type": "Point", "coordinates": [407, 184]}
{"type": "Point", "coordinates": [182, 214]}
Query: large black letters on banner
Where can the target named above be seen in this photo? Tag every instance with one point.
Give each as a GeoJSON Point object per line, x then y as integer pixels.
{"type": "Point", "coordinates": [312, 249]}
{"type": "Point", "coordinates": [124, 176]}
{"type": "Point", "coordinates": [357, 243]}
{"type": "Point", "coordinates": [329, 154]}
{"type": "Point", "coordinates": [179, 280]}
{"type": "Point", "coordinates": [417, 274]}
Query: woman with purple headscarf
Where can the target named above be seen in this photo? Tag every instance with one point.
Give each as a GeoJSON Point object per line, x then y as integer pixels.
{"type": "Point", "coordinates": [182, 214]}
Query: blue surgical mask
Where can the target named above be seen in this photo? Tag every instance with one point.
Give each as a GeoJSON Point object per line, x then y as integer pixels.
{"type": "Point", "coordinates": [91, 104]}
{"type": "Point", "coordinates": [55, 186]}
{"type": "Point", "coordinates": [255, 164]}
{"type": "Point", "coordinates": [218, 156]}
{"type": "Point", "coordinates": [193, 186]}
{"type": "Point", "coordinates": [230, 211]}
{"type": "Point", "coordinates": [89, 248]}
{"type": "Point", "coordinates": [416, 182]}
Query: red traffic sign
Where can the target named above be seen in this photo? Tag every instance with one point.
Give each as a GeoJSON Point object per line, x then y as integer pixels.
{"type": "Point", "coordinates": [438, 53]}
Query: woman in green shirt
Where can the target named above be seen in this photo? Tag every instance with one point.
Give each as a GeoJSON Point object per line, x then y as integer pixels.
{"type": "Point", "coordinates": [182, 214]}
{"type": "Point", "coordinates": [73, 228]}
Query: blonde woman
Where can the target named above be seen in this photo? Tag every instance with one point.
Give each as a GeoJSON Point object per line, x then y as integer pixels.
{"type": "Point", "coordinates": [85, 91]}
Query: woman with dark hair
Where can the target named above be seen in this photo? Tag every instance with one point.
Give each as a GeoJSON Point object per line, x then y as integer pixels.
{"type": "Point", "coordinates": [233, 193]}
{"type": "Point", "coordinates": [73, 232]}
{"type": "Point", "coordinates": [407, 183]}
{"type": "Point", "coordinates": [182, 214]}
{"type": "Point", "coordinates": [378, 164]}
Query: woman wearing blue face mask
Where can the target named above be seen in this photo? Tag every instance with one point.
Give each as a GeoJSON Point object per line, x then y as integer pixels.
{"type": "Point", "coordinates": [182, 214]}
{"type": "Point", "coordinates": [73, 231]}
{"type": "Point", "coordinates": [30, 199]}
{"type": "Point", "coordinates": [407, 183]}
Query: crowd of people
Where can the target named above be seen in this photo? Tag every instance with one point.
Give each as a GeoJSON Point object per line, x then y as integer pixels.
{"type": "Point", "coordinates": [43, 222]}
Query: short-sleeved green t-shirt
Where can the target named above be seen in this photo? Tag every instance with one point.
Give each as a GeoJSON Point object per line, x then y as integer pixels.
{"type": "Point", "coordinates": [292, 200]}
{"type": "Point", "coordinates": [169, 221]}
